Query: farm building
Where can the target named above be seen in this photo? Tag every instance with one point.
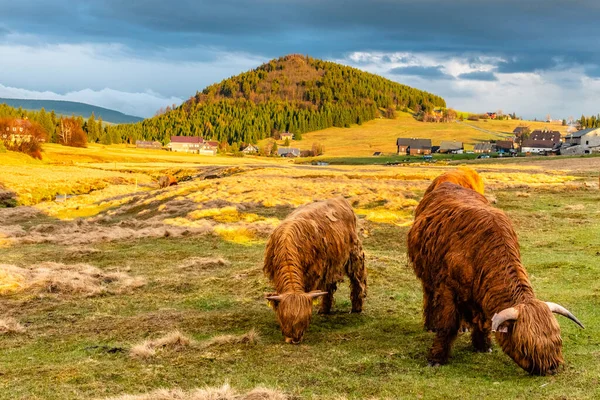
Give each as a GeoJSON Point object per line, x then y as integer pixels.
{"type": "Point", "coordinates": [185, 144]}
{"type": "Point", "coordinates": [545, 134]}
{"type": "Point", "coordinates": [483, 148]}
{"type": "Point", "coordinates": [505, 146]}
{"type": "Point", "coordinates": [519, 130]}
{"type": "Point", "coordinates": [18, 130]}
{"type": "Point", "coordinates": [209, 148]}
{"type": "Point", "coordinates": [146, 144]}
{"type": "Point", "coordinates": [287, 135]}
{"type": "Point", "coordinates": [539, 146]}
{"type": "Point", "coordinates": [451, 147]}
{"type": "Point", "coordinates": [413, 146]}
{"type": "Point", "coordinates": [288, 152]}
{"type": "Point", "coordinates": [586, 141]}
{"type": "Point", "coordinates": [250, 149]}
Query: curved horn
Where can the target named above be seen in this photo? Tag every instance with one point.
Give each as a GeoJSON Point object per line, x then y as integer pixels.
{"type": "Point", "coordinates": [314, 295]}
{"type": "Point", "coordinates": [275, 297]}
{"type": "Point", "coordinates": [507, 314]}
{"type": "Point", "coordinates": [558, 309]}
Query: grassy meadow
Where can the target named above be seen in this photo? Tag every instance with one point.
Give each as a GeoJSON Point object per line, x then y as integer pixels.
{"type": "Point", "coordinates": [381, 134]}
{"type": "Point", "coordinates": [126, 288]}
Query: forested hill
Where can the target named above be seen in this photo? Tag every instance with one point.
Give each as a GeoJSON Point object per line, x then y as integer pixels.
{"type": "Point", "coordinates": [294, 93]}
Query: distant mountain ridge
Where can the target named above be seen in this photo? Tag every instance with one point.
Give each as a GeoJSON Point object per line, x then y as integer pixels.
{"type": "Point", "coordinates": [69, 108]}
{"type": "Point", "coordinates": [294, 93]}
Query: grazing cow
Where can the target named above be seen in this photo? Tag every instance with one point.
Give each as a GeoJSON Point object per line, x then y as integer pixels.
{"type": "Point", "coordinates": [467, 178]}
{"type": "Point", "coordinates": [463, 176]}
{"type": "Point", "coordinates": [166, 181]}
{"type": "Point", "coordinates": [306, 256]}
{"type": "Point", "coordinates": [466, 254]}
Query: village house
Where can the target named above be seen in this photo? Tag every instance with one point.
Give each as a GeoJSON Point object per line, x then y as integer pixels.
{"type": "Point", "coordinates": [413, 146]}
{"type": "Point", "coordinates": [209, 148]}
{"type": "Point", "coordinates": [146, 144]}
{"type": "Point", "coordinates": [18, 130]}
{"type": "Point", "coordinates": [287, 135]}
{"type": "Point", "coordinates": [545, 134]}
{"type": "Point", "coordinates": [288, 152]}
{"type": "Point", "coordinates": [250, 149]}
{"type": "Point", "coordinates": [539, 146]}
{"type": "Point", "coordinates": [451, 147]}
{"type": "Point", "coordinates": [483, 148]}
{"type": "Point", "coordinates": [492, 115]}
{"type": "Point", "coordinates": [586, 141]}
{"type": "Point", "coordinates": [186, 144]}
{"type": "Point", "coordinates": [505, 146]}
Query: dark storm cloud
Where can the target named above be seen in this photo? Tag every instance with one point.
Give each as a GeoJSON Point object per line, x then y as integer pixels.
{"type": "Point", "coordinates": [331, 28]}
{"type": "Point", "coordinates": [478, 76]}
{"type": "Point", "coordinates": [424, 72]}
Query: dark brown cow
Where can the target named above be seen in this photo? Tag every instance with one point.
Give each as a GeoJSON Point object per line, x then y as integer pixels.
{"type": "Point", "coordinates": [466, 254]}
{"type": "Point", "coordinates": [306, 256]}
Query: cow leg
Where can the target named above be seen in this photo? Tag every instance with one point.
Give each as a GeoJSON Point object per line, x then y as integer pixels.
{"type": "Point", "coordinates": [480, 337]}
{"type": "Point", "coordinates": [428, 309]}
{"type": "Point", "coordinates": [327, 300]}
{"type": "Point", "coordinates": [446, 321]}
{"type": "Point", "coordinates": [355, 268]}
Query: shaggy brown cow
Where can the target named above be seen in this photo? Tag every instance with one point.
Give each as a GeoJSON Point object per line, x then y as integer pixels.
{"type": "Point", "coordinates": [306, 256]}
{"type": "Point", "coordinates": [166, 181]}
{"type": "Point", "coordinates": [467, 256]}
{"type": "Point", "coordinates": [467, 178]}
{"type": "Point", "coordinates": [463, 176]}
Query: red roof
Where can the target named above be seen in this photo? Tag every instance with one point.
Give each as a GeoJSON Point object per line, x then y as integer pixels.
{"type": "Point", "coordinates": [213, 143]}
{"type": "Point", "coordinates": [186, 139]}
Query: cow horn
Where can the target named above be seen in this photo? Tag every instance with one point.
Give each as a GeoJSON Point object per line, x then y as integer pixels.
{"type": "Point", "coordinates": [314, 295]}
{"type": "Point", "coordinates": [558, 309]}
{"type": "Point", "coordinates": [507, 314]}
{"type": "Point", "coordinates": [275, 297]}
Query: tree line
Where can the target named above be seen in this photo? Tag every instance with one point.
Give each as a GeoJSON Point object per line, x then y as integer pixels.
{"type": "Point", "coordinates": [294, 93]}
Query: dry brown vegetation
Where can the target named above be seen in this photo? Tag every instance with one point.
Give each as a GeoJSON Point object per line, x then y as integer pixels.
{"type": "Point", "coordinates": [77, 279]}
{"type": "Point", "coordinates": [224, 392]}
{"type": "Point", "coordinates": [10, 325]}
{"type": "Point", "coordinates": [172, 341]}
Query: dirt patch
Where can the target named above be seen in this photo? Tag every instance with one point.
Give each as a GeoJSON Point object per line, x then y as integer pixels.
{"type": "Point", "coordinates": [77, 279]}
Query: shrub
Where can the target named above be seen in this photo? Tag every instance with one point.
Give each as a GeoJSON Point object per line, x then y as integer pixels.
{"type": "Point", "coordinates": [24, 136]}
{"type": "Point", "coordinates": [70, 133]}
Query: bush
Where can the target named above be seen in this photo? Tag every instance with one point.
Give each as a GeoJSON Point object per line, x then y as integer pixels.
{"type": "Point", "coordinates": [2, 147]}
{"type": "Point", "coordinates": [71, 134]}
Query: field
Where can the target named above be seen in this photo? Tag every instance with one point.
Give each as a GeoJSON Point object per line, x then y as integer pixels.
{"type": "Point", "coordinates": [126, 288]}
{"type": "Point", "coordinates": [381, 134]}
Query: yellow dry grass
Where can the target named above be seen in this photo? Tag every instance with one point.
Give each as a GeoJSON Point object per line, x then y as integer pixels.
{"type": "Point", "coordinates": [172, 341]}
{"type": "Point", "coordinates": [224, 392]}
{"type": "Point", "coordinates": [78, 279]}
{"type": "Point", "coordinates": [10, 325]}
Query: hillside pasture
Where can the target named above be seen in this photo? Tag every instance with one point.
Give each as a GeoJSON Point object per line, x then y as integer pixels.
{"type": "Point", "coordinates": [161, 290]}
{"type": "Point", "coordinates": [381, 134]}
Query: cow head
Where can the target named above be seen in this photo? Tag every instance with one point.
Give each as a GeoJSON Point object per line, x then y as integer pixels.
{"type": "Point", "coordinates": [530, 335]}
{"type": "Point", "coordinates": [294, 311]}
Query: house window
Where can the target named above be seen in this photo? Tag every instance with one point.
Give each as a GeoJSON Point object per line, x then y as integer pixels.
{"type": "Point", "coordinates": [587, 142]}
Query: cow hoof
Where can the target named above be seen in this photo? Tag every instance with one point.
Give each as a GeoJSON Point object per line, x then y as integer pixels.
{"type": "Point", "coordinates": [434, 364]}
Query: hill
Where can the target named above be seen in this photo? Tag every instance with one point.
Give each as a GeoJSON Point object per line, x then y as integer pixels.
{"type": "Point", "coordinates": [72, 108]}
{"type": "Point", "coordinates": [381, 134]}
{"type": "Point", "coordinates": [293, 93]}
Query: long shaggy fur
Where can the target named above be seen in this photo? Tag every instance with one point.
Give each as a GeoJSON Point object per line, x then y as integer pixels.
{"type": "Point", "coordinates": [466, 254]}
{"type": "Point", "coordinates": [312, 249]}
{"type": "Point", "coordinates": [463, 176]}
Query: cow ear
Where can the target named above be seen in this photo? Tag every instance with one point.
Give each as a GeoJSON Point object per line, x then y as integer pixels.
{"type": "Point", "coordinates": [273, 300]}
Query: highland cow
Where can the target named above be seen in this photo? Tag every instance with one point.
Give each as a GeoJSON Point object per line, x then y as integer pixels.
{"type": "Point", "coordinates": [307, 256]}
{"type": "Point", "coordinates": [463, 176]}
{"type": "Point", "coordinates": [166, 181]}
{"type": "Point", "coordinates": [466, 254]}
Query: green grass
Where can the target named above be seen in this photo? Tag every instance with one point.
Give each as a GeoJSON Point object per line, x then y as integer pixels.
{"type": "Point", "coordinates": [77, 347]}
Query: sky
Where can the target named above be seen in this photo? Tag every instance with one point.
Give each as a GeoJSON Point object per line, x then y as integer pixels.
{"type": "Point", "coordinates": [532, 57]}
